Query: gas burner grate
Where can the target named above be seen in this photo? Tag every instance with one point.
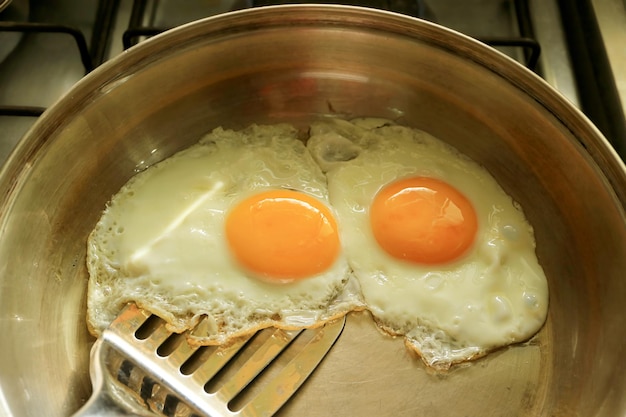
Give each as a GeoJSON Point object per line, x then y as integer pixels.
{"type": "Point", "coordinates": [43, 28]}
{"type": "Point", "coordinates": [532, 48]}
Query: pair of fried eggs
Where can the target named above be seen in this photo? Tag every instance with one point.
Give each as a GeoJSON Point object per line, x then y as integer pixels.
{"type": "Point", "coordinates": [256, 228]}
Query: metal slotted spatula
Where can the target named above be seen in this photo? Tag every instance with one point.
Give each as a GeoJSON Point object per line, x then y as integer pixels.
{"type": "Point", "coordinates": [140, 368]}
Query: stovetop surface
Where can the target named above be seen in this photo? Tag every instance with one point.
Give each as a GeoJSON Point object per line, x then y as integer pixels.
{"type": "Point", "coordinates": [38, 67]}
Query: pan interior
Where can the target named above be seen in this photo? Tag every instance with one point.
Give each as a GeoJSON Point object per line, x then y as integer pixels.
{"type": "Point", "coordinates": [297, 64]}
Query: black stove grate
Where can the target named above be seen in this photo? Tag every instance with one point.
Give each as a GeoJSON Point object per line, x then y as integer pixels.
{"type": "Point", "coordinates": [43, 28]}
{"type": "Point", "coordinates": [91, 56]}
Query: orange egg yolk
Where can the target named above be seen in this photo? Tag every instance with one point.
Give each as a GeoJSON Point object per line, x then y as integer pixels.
{"type": "Point", "coordinates": [282, 235]}
{"type": "Point", "coordinates": [423, 220]}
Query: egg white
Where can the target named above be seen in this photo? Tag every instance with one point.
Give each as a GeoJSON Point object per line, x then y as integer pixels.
{"type": "Point", "coordinates": [160, 242]}
{"type": "Point", "coordinates": [494, 295]}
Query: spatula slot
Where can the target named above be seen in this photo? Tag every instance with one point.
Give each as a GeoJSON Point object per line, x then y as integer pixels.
{"type": "Point", "coordinates": [199, 357]}
{"type": "Point", "coordinates": [170, 344]}
{"type": "Point", "coordinates": [152, 324]}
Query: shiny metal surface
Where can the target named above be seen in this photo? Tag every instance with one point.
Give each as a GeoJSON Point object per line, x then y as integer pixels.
{"type": "Point", "coordinates": [251, 377]}
{"type": "Point", "coordinates": [296, 63]}
{"type": "Point", "coordinates": [110, 398]}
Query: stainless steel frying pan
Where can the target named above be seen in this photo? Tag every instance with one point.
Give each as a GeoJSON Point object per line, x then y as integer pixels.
{"type": "Point", "coordinates": [295, 64]}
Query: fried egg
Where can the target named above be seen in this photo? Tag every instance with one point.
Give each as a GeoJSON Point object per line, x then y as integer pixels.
{"type": "Point", "coordinates": [235, 231]}
{"type": "Point", "coordinates": [442, 254]}
{"type": "Point", "coordinates": [255, 228]}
